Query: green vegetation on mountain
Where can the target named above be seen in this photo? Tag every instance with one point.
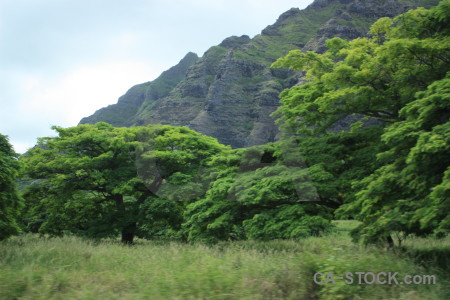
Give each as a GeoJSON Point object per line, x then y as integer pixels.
{"type": "Point", "coordinates": [141, 96]}
{"type": "Point", "coordinates": [230, 92]}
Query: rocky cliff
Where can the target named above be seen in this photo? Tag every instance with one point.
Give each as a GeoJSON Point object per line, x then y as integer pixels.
{"type": "Point", "coordinates": [230, 92]}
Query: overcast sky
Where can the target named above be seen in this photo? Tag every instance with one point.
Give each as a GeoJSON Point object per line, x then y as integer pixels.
{"type": "Point", "coordinates": [61, 60]}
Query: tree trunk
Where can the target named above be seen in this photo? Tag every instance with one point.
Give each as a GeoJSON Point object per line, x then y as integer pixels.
{"type": "Point", "coordinates": [128, 227]}
{"type": "Point", "coordinates": [390, 241]}
{"type": "Point", "coordinates": [128, 232]}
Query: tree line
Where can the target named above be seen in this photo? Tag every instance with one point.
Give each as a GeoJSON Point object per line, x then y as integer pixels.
{"type": "Point", "coordinates": [367, 137]}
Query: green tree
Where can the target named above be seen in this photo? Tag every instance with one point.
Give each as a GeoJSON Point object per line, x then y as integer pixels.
{"type": "Point", "coordinates": [10, 201]}
{"type": "Point", "coordinates": [338, 160]}
{"type": "Point", "coordinates": [371, 77]}
{"type": "Point", "coordinates": [398, 78]}
{"type": "Point", "coordinates": [410, 193]}
{"type": "Point", "coordinates": [260, 193]}
{"type": "Point", "coordinates": [89, 181]}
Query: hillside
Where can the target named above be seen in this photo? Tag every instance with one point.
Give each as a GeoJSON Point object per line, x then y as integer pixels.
{"type": "Point", "coordinates": [230, 92]}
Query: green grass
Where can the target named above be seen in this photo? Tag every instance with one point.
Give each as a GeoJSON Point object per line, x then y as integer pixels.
{"type": "Point", "coordinates": [73, 268]}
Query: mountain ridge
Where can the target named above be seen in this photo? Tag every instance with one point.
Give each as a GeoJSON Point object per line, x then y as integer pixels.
{"type": "Point", "coordinates": [230, 92]}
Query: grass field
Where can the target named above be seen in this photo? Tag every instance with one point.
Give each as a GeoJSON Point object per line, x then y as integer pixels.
{"type": "Point", "coordinates": [33, 267]}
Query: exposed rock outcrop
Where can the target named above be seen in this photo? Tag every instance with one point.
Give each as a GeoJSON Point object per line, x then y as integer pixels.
{"type": "Point", "coordinates": [230, 92]}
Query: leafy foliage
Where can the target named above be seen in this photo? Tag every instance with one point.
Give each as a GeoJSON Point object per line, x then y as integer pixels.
{"type": "Point", "coordinates": [98, 181]}
{"type": "Point", "coordinates": [373, 77]}
{"type": "Point", "coordinates": [410, 192]}
{"type": "Point", "coordinates": [10, 201]}
{"type": "Point", "coordinates": [396, 80]}
{"type": "Point", "coordinates": [90, 185]}
{"type": "Point", "coordinates": [368, 135]}
{"type": "Point", "coordinates": [258, 195]}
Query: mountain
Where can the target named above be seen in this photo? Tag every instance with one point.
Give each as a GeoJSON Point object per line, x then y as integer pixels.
{"type": "Point", "coordinates": [123, 113]}
{"type": "Point", "coordinates": [230, 92]}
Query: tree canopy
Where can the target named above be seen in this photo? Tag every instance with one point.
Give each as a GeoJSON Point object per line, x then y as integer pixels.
{"type": "Point", "coordinates": [10, 201]}
{"type": "Point", "coordinates": [89, 181]}
{"type": "Point", "coordinates": [259, 193]}
{"type": "Point", "coordinates": [366, 137]}
{"type": "Point", "coordinates": [397, 79]}
{"type": "Point", "coordinates": [410, 193]}
{"type": "Point", "coordinates": [373, 77]}
{"type": "Point", "coordinates": [169, 182]}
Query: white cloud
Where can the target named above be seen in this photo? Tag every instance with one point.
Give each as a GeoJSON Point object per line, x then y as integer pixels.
{"type": "Point", "coordinates": [86, 89]}
{"type": "Point", "coordinates": [62, 60]}
{"type": "Point", "coordinates": [64, 101]}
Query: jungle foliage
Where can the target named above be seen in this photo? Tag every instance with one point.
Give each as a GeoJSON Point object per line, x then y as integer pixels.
{"type": "Point", "coordinates": [98, 181]}
{"type": "Point", "coordinates": [398, 80]}
{"type": "Point", "coordinates": [10, 200]}
{"type": "Point", "coordinates": [367, 138]}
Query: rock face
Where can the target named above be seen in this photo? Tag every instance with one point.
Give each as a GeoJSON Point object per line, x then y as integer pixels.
{"type": "Point", "coordinates": [142, 96]}
{"type": "Point", "coordinates": [230, 92]}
